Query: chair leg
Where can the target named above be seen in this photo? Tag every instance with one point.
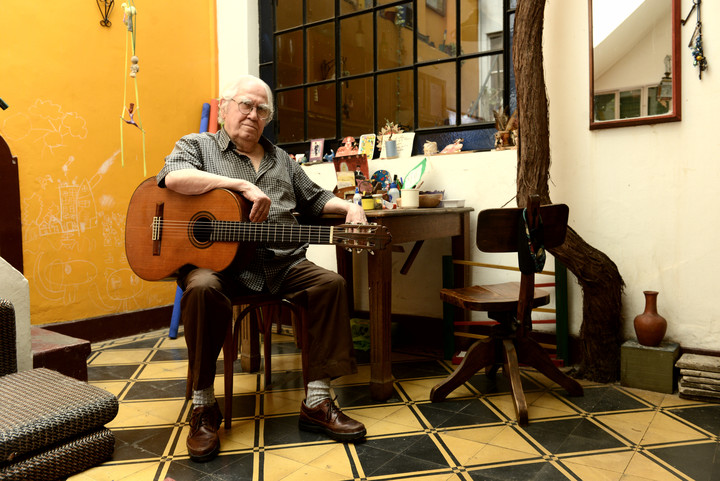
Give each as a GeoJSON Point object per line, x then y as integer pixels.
{"type": "Point", "coordinates": [532, 354]}
{"type": "Point", "coordinates": [265, 319]}
{"type": "Point", "coordinates": [512, 370]}
{"type": "Point", "coordinates": [229, 356]}
{"type": "Point", "coordinates": [480, 354]}
{"type": "Point", "coordinates": [250, 350]}
{"type": "Point", "coordinates": [298, 321]}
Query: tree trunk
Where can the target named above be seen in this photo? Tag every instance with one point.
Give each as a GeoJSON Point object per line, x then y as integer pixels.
{"type": "Point", "coordinates": [602, 285]}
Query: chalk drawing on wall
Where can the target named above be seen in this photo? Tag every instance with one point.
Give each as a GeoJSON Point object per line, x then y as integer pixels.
{"type": "Point", "coordinates": [73, 228]}
{"type": "Point", "coordinates": [45, 123]}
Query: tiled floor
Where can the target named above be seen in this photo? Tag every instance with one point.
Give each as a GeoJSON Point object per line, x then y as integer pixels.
{"type": "Point", "coordinates": [611, 433]}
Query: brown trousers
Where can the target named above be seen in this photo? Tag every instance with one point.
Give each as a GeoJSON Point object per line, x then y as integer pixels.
{"type": "Point", "coordinates": [206, 310]}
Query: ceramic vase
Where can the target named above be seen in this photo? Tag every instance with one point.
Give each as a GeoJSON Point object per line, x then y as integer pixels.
{"type": "Point", "coordinates": [650, 326]}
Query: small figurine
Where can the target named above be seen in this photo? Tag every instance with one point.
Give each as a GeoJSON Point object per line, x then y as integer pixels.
{"type": "Point", "coordinates": [348, 148]}
{"type": "Point", "coordinates": [453, 148]}
{"type": "Point", "coordinates": [430, 148]}
{"type": "Point", "coordinates": [329, 156]}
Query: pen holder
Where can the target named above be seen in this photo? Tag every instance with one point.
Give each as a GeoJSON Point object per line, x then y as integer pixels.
{"type": "Point", "coordinates": [410, 198]}
{"type": "Point", "coordinates": [390, 148]}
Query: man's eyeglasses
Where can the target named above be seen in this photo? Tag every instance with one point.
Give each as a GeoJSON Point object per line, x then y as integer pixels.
{"type": "Point", "coordinates": [246, 107]}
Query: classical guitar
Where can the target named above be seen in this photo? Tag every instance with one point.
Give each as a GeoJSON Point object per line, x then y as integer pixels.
{"type": "Point", "coordinates": [165, 230]}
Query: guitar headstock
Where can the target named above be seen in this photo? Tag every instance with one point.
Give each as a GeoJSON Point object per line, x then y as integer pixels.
{"type": "Point", "coordinates": [370, 237]}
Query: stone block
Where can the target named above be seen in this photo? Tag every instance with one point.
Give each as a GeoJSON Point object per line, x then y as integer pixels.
{"type": "Point", "coordinates": [649, 368]}
{"type": "Point", "coordinates": [64, 354]}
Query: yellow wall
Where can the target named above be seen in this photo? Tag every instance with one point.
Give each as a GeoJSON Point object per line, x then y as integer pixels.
{"type": "Point", "coordinates": [62, 74]}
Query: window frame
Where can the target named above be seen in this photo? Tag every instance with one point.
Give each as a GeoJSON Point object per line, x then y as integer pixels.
{"type": "Point", "coordinates": [477, 136]}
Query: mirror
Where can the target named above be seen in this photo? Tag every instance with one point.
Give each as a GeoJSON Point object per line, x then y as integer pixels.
{"type": "Point", "coordinates": [634, 62]}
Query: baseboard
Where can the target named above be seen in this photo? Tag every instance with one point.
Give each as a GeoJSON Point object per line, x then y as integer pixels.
{"type": "Point", "coordinates": [113, 326]}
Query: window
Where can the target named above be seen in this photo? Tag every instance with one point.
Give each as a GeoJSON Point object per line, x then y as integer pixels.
{"type": "Point", "coordinates": [343, 68]}
{"type": "Point", "coordinates": [630, 103]}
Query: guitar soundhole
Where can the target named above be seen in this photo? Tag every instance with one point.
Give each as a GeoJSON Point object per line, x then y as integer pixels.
{"type": "Point", "coordinates": [201, 230]}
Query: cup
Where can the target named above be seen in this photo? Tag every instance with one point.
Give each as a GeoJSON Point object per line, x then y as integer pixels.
{"type": "Point", "coordinates": [390, 148]}
{"type": "Point", "coordinates": [368, 203]}
{"type": "Point", "coordinates": [410, 198]}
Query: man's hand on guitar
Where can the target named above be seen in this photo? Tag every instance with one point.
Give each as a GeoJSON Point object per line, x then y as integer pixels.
{"type": "Point", "coordinates": [355, 215]}
{"type": "Point", "coordinates": [260, 202]}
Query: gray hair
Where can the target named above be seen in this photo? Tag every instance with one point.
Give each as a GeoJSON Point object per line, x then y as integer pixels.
{"type": "Point", "coordinates": [231, 90]}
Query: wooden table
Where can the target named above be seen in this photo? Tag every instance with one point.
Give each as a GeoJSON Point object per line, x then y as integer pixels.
{"type": "Point", "coordinates": [405, 225]}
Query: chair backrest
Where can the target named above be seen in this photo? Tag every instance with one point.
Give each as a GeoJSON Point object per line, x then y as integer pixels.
{"type": "Point", "coordinates": [8, 351]}
{"type": "Point", "coordinates": [497, 229]}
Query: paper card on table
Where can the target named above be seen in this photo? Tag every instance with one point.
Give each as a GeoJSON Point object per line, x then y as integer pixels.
{"type": "Point", "coordinates": [367, 145]}
{"type": "Point", "coordinates": [404, 144]}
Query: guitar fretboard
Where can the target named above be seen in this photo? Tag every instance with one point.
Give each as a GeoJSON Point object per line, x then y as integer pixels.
{"type": "Point", "coordinates": [230, 231]}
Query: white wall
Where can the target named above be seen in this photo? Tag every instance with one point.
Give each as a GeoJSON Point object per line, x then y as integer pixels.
{"type": "Point", "coordinates": [643, 195]}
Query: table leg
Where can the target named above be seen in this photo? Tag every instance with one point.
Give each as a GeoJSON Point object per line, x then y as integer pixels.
{"type": "Point", "coordinates": [345, 269]}
{"type": "Point", "coordinates": [379, 297]}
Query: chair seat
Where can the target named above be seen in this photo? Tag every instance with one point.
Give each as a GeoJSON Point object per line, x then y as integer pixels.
{"type": "Point", "coordinates": [491, 298]}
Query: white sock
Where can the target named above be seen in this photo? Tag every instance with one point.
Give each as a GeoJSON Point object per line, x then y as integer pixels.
{"type": "Point", "coordinates": [204, 397]}
{"type": "Point", "coordinates": [317, 392]}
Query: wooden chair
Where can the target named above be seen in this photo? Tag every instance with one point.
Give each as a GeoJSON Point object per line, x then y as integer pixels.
{"type": "Point", "coordinates": [510, 304]}
{"type": "Point", "coordinates": [254, 314]}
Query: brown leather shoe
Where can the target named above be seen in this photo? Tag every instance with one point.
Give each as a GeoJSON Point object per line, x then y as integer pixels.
{"type": "Point", "coordinates": [203, 442]}
{"type": "Point", "coordinates": [327, 418]}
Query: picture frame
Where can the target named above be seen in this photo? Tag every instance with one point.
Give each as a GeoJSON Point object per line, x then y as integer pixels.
{"type": "Point", "coordinates": [437, 6]}
{"type": "Point", "coordinates": [367, 145]}
{"type": "Point", "coordinates": [316, 150]}
{"type": "Point", "coordinates": [356, 164]}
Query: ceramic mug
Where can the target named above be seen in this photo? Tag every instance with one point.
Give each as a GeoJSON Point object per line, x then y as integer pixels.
{"type": "Point", "coordinates": [410, 198]}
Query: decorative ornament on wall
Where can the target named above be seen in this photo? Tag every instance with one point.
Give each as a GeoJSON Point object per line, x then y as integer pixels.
{"type": "Point", "coordinates": [105, 7]}
{"type": "Point", "coordinates": [695, 44]}
{"type": "Point", "coordinates": [132, 109]}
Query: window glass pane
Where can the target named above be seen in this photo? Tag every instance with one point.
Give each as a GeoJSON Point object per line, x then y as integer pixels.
{"type": "Point", "coordinates": [266, 31]}
{"type": "Point", "coordinates": [436, 30]}
{"type": "Point", "coordinates": [321, 52]}
{"type": "Point", "coordinates": [356, 40]}
{"type": "Point", "coordinates": [511, 74]}
{"type": "Point", "coordinates": [436, 95]}
{"type": "Point", "coordinates": [481, 25]}
{"type": "Point", "coordinates": [357, 107]}
{"type": "Point", "coordinates": [290, 115]}
{"type": "Point", "coordinates": [630, 104]}
{"type": "Point", "coordinates": [288, 14]}
{"type": "Point", "coordinates": [655, 106]}
{"type": "Point", "coordinates": [319, 10]}
{"type": "Point", "coordinates": [349, 6]}
{"type": "Point", "coordinates": [321, 111]}
{"type": "Point", "coordinates": [395, 99]}
{"type": "Point", "coordinates": [395, 36]}
{"type": "Point", "coordinates": [481, 81]}
{"type": "Point", "coordinates": [604, 106]}
{"type": "Point", "coordinates": [289, 48]}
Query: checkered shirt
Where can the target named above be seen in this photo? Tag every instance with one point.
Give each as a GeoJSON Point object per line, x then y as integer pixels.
{"type": "Point", "coordinates": [279, 177]}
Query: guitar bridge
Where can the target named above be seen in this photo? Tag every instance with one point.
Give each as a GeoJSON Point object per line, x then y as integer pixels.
{"type": "Point", "coordinates": [157, 227]}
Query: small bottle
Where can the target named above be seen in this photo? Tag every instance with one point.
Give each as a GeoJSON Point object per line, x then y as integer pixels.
{"type": "Point", "coordinates": [393, 193]}
{"type": "Point", "coordinates": [357, 198]}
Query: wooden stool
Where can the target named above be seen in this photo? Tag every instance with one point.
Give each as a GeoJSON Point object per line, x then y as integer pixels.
{"type": "Point", "coordinates": [253, 314]}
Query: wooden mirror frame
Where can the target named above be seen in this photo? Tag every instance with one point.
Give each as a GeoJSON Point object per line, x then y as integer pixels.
{"type": "Point", "coordinates": [673, 116]}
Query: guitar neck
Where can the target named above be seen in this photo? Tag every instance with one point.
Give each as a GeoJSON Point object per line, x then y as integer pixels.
{"type": "Point", "coordinates": [231, 231]}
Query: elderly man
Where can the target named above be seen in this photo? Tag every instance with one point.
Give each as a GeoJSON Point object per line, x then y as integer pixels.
{"type": "Point", "coordinates": [239, 158]}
